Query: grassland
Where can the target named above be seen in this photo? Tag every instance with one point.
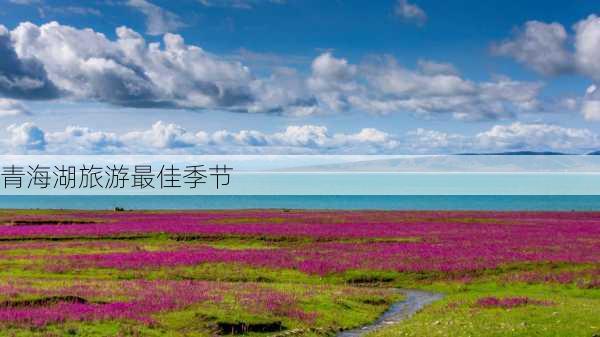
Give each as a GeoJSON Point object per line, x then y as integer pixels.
{"type": "Point", "coordinates": [300, 273]}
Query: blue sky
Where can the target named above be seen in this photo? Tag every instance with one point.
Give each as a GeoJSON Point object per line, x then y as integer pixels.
{"type": "Point", "coordinates": [292, 76]}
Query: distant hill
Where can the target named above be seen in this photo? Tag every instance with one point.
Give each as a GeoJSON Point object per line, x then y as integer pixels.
{"type": "Point", "coordinates": [595, 153]}
{"type": "Point", "coordinates": [507, 162]}
{"type": "Point", "coordinates": [521, 153]}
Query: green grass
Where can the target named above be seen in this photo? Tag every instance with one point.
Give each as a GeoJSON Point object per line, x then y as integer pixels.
{"type": "Point", "coordinates": [335, 308]}
{"type": "Point", "coordinates": [339, 301]}
{"type": "Point", "coordinates": [573, 312]}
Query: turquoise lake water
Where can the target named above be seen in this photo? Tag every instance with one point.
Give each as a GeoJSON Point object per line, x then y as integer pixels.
{"type": "Point", "coordinates": [388, 202]}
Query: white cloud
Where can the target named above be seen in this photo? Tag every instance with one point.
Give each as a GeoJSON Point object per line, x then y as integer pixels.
{"type": "Point", "coordinates": [587, 46]}
{"type": "Point", "coordinates": [238, 4]}
{"type": "Point", "coordinates": [569, 103]}
{"type": "Point", "coordinates": [544, 48]}
{"type": "Point", "coordinates": [311, 136]}
{"type": "Point", "coordinates": [587, 51]}
{"type": "Point", "coordinates": [161, 136]}
{"type": "Point", "coordinates": [285, 91]}
{"type": "Point", "coordinates": [25, 137]}
{"type": "Point", "coordinates": [332, 81]}
{"type": "Point", "coordinates": [427, 141]}
{"type": "Point", "coordinates": [329, 68]}
{"type": "Point", "coordinates": [307, 139]}
{"type": "Point", "coordinates": [410, 12]}
{"type": "Point", "coordinates": [392, 79]}
{"type": "Point", "coordinates": [383, 86]}
{"type": "Point", "coordinates": [85, 65]}
{"type": "Point", "coordinates": [131, 72]}
{"type": "Point", "coordinates": [77, 139]}
{"type": "Point", "coordinates": [429, 67]}
{"type": "Point", "coordinates": [25, 2]}
{"type": "Point", "coordinates": [591, 104]}
{"type": "Point", "coordinates": [9, 107]}
{"type": "Point", "coordinates": [168, 138]}
{"type": "Point", "coordinates": [22, 77]}
{"type": "Point", "coordinates": [518, 136]}
{"type": "Point", "coordinates": [591, 110]}
{"type": "Point", "coordinates": [541, 46]}
{"type": "Point", "coordinates": [165, 138]}
{"type": "Point", "coordinates": [69, 10]}
{"type": "Point", "coordinates": [158, 20]}
{"type": "Point", "coordinates": [510, 137]}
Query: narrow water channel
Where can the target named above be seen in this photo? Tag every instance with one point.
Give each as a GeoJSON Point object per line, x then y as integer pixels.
{"type": "Point", "coordinates": [415, 300]}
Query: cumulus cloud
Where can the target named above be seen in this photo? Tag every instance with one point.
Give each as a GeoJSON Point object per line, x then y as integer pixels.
{"type": "Point", "coordinates": [169, 138]}
{"type": "Point", "coordinates": [22, 77]}
{"type": "Point", "coordinates": [511, 137]}
{"type": "Point", "coordinates": [76, 139]}
{"type": "Point", "coordinates": [587, 46]}
{"type": "Point", "coordinates": [410, 12]}
{"type": "Point", "coordinates": [165, 138]}
{"type": "Point", "coordinates": [333, 80]}
{"type": "Point", "coordinates": [591, 104]}
{"type": "Point", "coordinates": [428, 141]}
{"type": "Point", "coordinates": [384, 86]}
{"type": "Point", "coordinates": [317, 139]}
{"type": "Point", "coordinates": [569, 103]}
{"type": "Point", "coordinates": [158, 20]}
{"type": "Point", "coordinates": [302, 139]}
{"type": "Point", "coordinates": [128, 71]}
{"type": "Point", "coordinates": [391, 78]}
{"type": "Point", "coordinates": [537, 137]}
{"type": "Point", "coordinates": [591, 110]}
{"type": "Point", "coordinates": [25, 137]}
{"type": "Point", "coordinates": [285, 91]}
{"type": "Point", "coordinates": [587, 49]}
{"type": "Point", "coordinates": [10, 107]}
{"type": "Point", "coordinates": [161, 136]}
{"type": "Point", "coordinates": [429, 67]}
{"type": "Point", "coordinates": [546, 48]}
{"type": "Point", "coordinates": [541, 46]}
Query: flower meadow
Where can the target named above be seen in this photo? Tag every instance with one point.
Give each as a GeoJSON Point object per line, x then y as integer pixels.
{"type": "Point", "coordinates": [510, 302]}
{"type": "Point", "coordinates": [204, 273]}
{"type": "Point", "coordinates": [439, 242]}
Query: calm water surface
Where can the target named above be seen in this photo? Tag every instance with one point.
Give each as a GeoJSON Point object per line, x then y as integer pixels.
{"type": "Point", "coordinates": [388, 202]}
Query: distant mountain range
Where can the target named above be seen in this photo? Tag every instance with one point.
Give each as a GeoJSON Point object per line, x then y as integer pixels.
{"type": "Point", "coordinates": [546, 161]}
{"type": "Point", "coordinates": [524, 153]}
{"type": "Point", "coordinates": [532, 153]}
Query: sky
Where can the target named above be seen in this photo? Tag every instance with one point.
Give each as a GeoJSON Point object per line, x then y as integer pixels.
{"type": "Point", "coordinates": [298, 77]}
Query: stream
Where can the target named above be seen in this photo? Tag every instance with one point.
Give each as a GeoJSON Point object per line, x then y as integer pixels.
{"type": "Point", "coordinates": [415, 300]}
